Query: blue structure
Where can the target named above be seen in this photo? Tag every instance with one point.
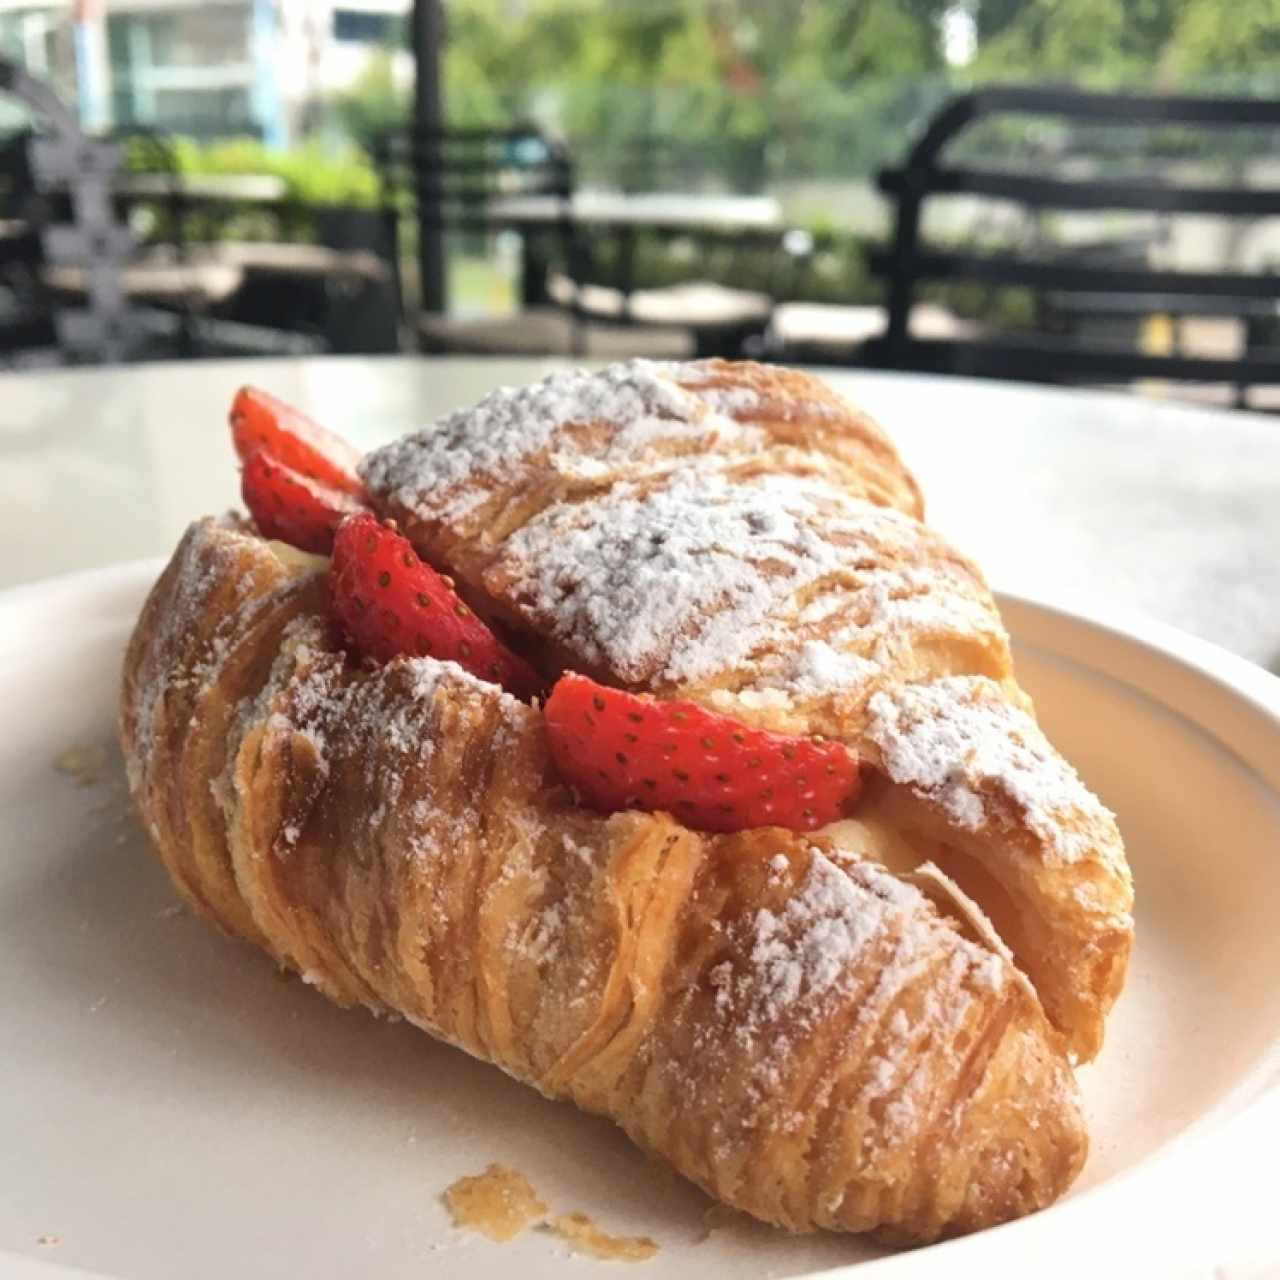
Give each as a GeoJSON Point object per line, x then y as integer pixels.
{"type": "Point", "coordinates": [267, 108]}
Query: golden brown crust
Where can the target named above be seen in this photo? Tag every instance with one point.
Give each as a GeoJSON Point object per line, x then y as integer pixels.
{"type": "Point", "coordinates": [787, 1019]}
{"type": "Point", "coordinates": [739, 535]}
{"type": "Point", "coordinates": [793, 1028]}
{"type": "Point", "coordinates": [803, 416]}
{"type": "Point", "coordinates": [171, 704]}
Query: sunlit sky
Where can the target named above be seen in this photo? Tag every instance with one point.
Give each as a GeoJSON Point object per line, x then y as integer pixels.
{"type": "Point", "coordinates": [959, 36]}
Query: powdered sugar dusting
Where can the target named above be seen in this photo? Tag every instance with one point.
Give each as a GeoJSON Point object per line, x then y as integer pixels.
{"type": "Point", "coordinates": [389, 720]}
{"type": "Point", "coordinates": [811, 952]}
{"type": "Point", "coordinates": [538, 937]}
{"type": "Point", "coordinates": [957, 738]}
{"type": "Point", "coordinates": [198, 573]}
{"type": "Point", "coordinates": [817, 668]}
{"type": "Point", "coordinates": [807, 948]}
{"type": "Point", "coordinates": [390, 707]}
{"type": "Point", "coordinates": [801, 957]}
{"type": "Point", "coordinates": [902, 601]}
{"type": "Point", "coordinates": [440, 472]}
{"type": "Point", "coordinates": [674, 582]}
{"type": "Point", "coordinates": [734, 401]}
{"type": "Point", "coordinates": [680, 564]}
{"type": "Point", "coordinates": [684, 580]}
{"type": "Point", "coordinates": [989, 975]}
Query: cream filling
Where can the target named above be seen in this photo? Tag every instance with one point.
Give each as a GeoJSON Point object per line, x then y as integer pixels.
{"type": "Point", "coordinates": [298, 563]}
{"type": "Point", "coordinates": [871, 835]}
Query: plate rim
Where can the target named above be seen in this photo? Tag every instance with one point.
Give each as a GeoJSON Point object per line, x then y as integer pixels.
{"type": "Point", "coordinates": [1243, 1124]}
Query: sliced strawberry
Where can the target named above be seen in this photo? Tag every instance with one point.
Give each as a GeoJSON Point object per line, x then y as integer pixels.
{"type": "Point", "coordinates": [260, 422]}
{"type": "Point", "coordinates": [625, 751]}
{"type": "Point", "coordinates": [393, 603]}
{"type": "Point", "coordinates": [293, 507]}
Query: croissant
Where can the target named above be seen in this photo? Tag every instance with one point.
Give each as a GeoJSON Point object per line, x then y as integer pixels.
{"type": "Point", "coordinates": [868, 1027]}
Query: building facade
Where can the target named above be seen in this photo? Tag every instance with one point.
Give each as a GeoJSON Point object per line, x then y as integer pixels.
{"type": "Point", "coordinates": [207, 68]}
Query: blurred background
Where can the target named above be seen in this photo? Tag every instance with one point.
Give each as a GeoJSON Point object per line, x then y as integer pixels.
{"type": "Point", "coordinates": [668, 177]}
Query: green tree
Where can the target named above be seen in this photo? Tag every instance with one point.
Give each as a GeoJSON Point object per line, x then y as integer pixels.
{"type": "Point", "coordinates": [1160, 44]}
{"type": "Point", "coordinates": [828, 87]}
{"type": "Point", "coordinates": [374, 104]}
{"type": "Point", "coordinates": [1210, 40]}
{"type": "Point", "coordinates": [1101, 42]}
{"type": "Point", "coordinates": [734, 79]}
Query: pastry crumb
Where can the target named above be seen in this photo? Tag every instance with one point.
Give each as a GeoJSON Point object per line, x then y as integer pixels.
{"type": "Point", "coordinates": [83, 762]}
{"type": "Point", "coordinates": [48, 1241]}
{"type": "Point", "coordinates": [499, 1203]}
{"type": "Point", "coordinates": [583, 1236]}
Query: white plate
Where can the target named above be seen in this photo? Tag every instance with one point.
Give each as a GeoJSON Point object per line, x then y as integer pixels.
{"type": "Point", "coordinates": [169, 1107]}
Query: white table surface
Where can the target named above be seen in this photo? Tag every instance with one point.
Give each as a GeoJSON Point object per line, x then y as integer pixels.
{"type": "Point", "coordinates": [642, 209]}
{"type": "Point", "coordinates": [1093, 499]}
{"type": "Point", "coordinates": [217, 186]}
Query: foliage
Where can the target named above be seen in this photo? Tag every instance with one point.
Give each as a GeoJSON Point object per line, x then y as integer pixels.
{"type": "Point", "coordinates": [312, 173]}
{"type": "Point", "coordinates": [1093, 42]}
{"type": "Point", "coordinates": [739, 88]}
{"type": "Point", "coordinates": [741, 92]}
{"type": "Point", "coordinates": [814, 93]}
{"type": "Point", "coordinates": [374, 105]}
{"type": "Point", "coordinates": [1147, 44]}
{"type": "Point", "coordinates": [1211, 40]}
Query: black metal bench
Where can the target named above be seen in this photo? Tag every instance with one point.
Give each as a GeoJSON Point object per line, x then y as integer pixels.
{"type": "Point", "coordinates": [578, 291]}
{"type": "Point", "coordinates": [909, 262]}
{"type": "Point", "coordinates": [56, 209]}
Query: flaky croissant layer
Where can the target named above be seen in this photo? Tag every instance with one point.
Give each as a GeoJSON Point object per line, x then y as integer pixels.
{"type": "Point", "coordinates": [871, 1028]}
{"type": "Point", "coordinates": [792, 1027]}
{"type": "Point", "coordinates": [739, 535]}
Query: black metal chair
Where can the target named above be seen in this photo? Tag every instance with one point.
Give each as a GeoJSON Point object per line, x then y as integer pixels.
{"type": "Point", "coordinates": [475, 183]}
{"type": "Point", "coordinates": [26, 321]}
{"type": "Point", "coordinates": [577, 291]}
{"type": "Point", "coordinates": [237, 270]}
{"type": "Point", "coordinates": [1072, 284]}
{"type": "Point", "coordinates": [56, 211]}
{"type": "Point", "coordinates": [716, 318]}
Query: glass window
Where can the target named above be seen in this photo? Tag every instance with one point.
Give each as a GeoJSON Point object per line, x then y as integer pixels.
{"type": "Point", "coordinates": [11, 45]}
{"type": "Point", "coordinates": [194, 38]}
{"type": "Point", "coordinates": [205, 113]}
{"type": "Point", "coordinates": [358, 26]}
